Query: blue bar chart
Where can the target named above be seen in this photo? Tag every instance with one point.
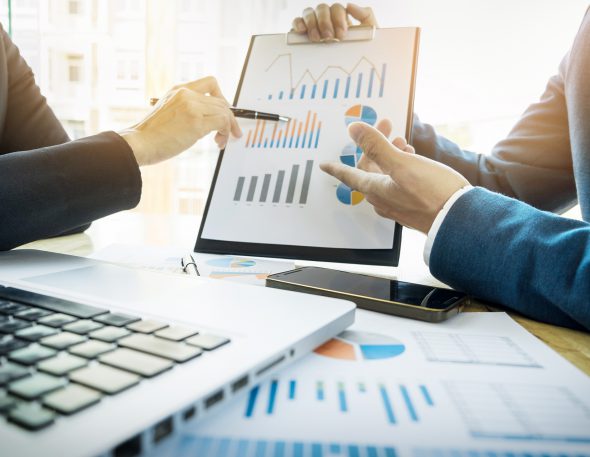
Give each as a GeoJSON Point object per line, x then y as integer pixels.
{"type": "Point", "coordinates": [207, 446]}
{"type": "Point", "coordinates": [399, 403]}
{"type": "Point", "coordinates": [364, 79]}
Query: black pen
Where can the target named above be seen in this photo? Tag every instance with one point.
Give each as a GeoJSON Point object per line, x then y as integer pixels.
{"type": "Point", "coordinates": [247, 113]}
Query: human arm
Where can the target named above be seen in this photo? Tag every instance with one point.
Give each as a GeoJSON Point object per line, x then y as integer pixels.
{"type": "Point", "coordinates": [532, 164]}
{"type": "Point", "coordinates": [488, 245]}
{"type": "Point", "coordinates": [50, 186]}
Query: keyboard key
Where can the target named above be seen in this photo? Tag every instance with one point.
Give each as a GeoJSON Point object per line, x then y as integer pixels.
{"type": "Point", "coordinates": [31, 416]}
{"type": "Point", "coordinates": [35, 333]}
{"type": "Point", "coordinates": [62, 364]}
{"type": "Point", "coordinates": [10, 372]}
{"type": "Point", "coordinates": [178, 352]}
{"type": "Point", "coordinates": [82, 327]}
{"type": "Point", "coordinates": [35, 386]}
{"type": "Point", "coordinates": [13, 325]}
{"type": "Point", "coordinates": [147, 326]}
{"type": "Point", "coordinates": [91, 349]}
{"type": "Point", "coordinates": [9, 307]}
{"type": "Point", "coordinates": [63, 340]}
{"type": "Point", "coordinates": [109, 334]}
{"type": "Point", "coordinates": [176, 332]}
{"type": "Point", "coordinates": [57, 320]}
{"type": "Point", "coordinates": [9, 343]}
{"type": "Point", "coordinates": [136, 362]}
{"type": "Point", "coordinates": [7, 402]}
{"type": "Point", "coordinates": [52, 303]}
{"type": "Point", "coordinates": [105, 379]}
{"type": "Point", "coordinates": [31, 354]}
{"type": "Point", "coordinates": [33, 314]}
{"type": "Point", "coordinates": [207, 342]}
{"type": "Point", "coordinates": [71, 399]}
{"type": "Point", "coordinates": [116, 319]}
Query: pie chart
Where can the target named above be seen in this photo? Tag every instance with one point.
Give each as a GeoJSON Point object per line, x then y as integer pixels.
{"type": "Point", "coordinates": [231, 262]}
{"type": "Point", "coordinates": [356, 346]}
{"type": "Point", "coordinates": [360, 113]}
{"type": "Point", "coordinates": [348, 196]}
{"type": "Point", "coordinates": [350, 156]}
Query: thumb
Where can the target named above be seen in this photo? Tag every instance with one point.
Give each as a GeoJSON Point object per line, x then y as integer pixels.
{"type": "Point", "coordinates": [376, 147]}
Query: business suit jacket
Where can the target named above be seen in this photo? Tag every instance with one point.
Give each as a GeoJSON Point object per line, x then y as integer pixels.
{"type": "Point", "coordinates": [50, 185]}
{"type": "Point", "coordinates": [515, 252]}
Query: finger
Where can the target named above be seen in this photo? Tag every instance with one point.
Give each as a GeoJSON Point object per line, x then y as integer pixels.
{"type": "Point", "coordinates": [353, 177]}
{"type": "Point", "coordinates": [299, 25]}
{"type": "Point", "coordinates": [402, 144]}
{"type": "Point", "coordinates": [339, 22]}
{"type": "Point", "coordinates": [376, 147]}
{"type": "Point", "coordinates": [236, 130]}
{"type": "Point", "coordinates": [367, 164]}
{"type": "Point", "coordinates": [217, 122]}
{"type": "Point", "coordinates": [311, 24]}
{"type": "Point", "coordinates": [364, 15]}
{"type": "Point", "coordinates": [385, 127]}
{"type": "Point", "coordinates": [221, 140]}
{"type": "Point", "coordinates": [324, 19]}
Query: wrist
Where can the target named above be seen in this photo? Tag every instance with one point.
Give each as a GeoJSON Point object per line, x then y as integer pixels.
{"type": "Point", "coordinates": [133, 139]}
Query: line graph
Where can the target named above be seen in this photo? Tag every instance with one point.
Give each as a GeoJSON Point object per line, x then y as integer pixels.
{"type": "Point", "coordinates": [352, 84]}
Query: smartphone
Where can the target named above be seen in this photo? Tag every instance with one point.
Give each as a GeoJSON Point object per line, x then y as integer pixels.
{"type": "Point", "coordinates": [405, 299]}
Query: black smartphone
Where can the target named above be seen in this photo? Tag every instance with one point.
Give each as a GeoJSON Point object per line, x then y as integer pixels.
{"type": "Point", "coordinates": [405, 299]}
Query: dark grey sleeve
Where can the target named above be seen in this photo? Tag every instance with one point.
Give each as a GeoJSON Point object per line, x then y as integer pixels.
{"type": "Point", "coordinates": [533, 163]}
{"type": "Point", "coordinates": [48, 185]}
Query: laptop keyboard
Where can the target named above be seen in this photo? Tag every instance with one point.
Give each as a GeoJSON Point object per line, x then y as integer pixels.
{"type": "Point", "coordinates": [58, 357]}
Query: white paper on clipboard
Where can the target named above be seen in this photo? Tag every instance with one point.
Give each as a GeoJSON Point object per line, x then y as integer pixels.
{"type": "Point", "coordinates": [269, 188]}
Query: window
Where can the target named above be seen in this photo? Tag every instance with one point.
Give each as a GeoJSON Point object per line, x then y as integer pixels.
{"type": "Point", "coordinates": [74, 7]}
{"type": "Point", "coordinates": [75, 63]}
{"type": "Point", "coordinates": [128, 67]}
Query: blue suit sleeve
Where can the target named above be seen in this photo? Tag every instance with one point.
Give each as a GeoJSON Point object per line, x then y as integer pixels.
{"type": "Point", "coordinates": [502, 250]}
{"type": "Point", "coordinates": [537, 150]}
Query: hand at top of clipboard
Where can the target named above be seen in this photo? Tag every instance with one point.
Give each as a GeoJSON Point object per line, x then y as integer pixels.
{"type": "Point", "coordinates": [331, 23]}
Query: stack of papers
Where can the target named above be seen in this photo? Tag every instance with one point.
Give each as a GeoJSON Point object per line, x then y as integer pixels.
{"type": "Point", "coordinates": [477, 385]}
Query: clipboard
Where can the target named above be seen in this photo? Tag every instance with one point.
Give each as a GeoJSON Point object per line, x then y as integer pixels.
{"type": "Point", "coordinates": [263, 200]}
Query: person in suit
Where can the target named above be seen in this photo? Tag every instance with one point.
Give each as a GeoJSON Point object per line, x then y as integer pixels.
{"type": "Point", "coordinates": [51, 186]}
{"type": "Point", "coordinates": [491, 222]}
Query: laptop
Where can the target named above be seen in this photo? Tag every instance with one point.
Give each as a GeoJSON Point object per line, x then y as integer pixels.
{"type": "Point", "coordinates": [100, 359]}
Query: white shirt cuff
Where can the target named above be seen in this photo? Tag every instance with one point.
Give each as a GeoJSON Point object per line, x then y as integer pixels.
{"type": "Point", "coordinates": [439, 219]}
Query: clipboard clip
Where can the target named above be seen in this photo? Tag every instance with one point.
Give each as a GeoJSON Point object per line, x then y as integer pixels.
{"type": "Point", "coordinates": [355, 33]}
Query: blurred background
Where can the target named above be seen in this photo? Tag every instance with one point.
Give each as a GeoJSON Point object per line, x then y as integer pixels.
{"type": "Point", "coordinates": [99, 61]}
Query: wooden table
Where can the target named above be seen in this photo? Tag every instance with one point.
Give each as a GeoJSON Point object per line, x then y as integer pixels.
{"type": "Point", "coordinates": [180, 231]}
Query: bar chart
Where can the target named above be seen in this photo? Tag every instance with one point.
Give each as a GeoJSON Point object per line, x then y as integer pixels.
{"type": "Point", "coordinates": [400, 403]}
{"type": "Point", "coordinates": [364, 79]}
{"type": "Point", "coordinates": [276, 188]}
{"type": "Point", "coordinates": [295, 134]}
{"type": "Point", "coordinates": [208, 446]}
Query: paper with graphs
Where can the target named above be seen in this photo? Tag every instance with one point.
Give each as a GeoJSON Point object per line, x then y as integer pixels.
{"type": "Point", "coordinates": [476, 386]}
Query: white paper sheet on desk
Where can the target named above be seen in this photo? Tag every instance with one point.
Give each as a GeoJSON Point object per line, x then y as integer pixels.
{"type": "Point", "coordinates": [167, 260]}
{"type": "Point", "coordinates": [476, 386]}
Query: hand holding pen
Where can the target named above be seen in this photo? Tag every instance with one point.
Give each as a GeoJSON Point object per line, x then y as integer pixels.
{"type": "Point", "coordinates": [187, 113]}
{"type": "Point", "coordinates": [247, 113]}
